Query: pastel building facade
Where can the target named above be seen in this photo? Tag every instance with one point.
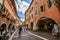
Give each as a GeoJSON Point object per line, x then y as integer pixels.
{"type": "Point", "coordinates": [42, 13]}
{"type": "Point", "coordinates": [7, 14]}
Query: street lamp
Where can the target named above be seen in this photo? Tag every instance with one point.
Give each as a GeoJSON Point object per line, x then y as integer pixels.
{"type": "Point", "coordinates": [1, 4]}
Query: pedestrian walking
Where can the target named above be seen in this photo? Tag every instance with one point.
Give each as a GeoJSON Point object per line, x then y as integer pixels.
{"type": "Point", "coordinates": [20, 29]}
{"type": "Point", "coordinates": [55, 30]}
{"type": "Point", "coordinates": [23, 29]}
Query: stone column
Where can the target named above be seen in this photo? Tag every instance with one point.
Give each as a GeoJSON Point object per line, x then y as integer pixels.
{"type": "Point", "coordinates": [29, 26]}
{"type": "Point", "coordinates": [59, 27]}
{"type": "Point", "coordinates": [35, 27]}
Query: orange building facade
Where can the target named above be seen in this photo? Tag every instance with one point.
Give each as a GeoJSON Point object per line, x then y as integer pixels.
{"type": "Point", "coordinates": [44, 13]}
{"type": "Point", "coordinates": [7, 14]}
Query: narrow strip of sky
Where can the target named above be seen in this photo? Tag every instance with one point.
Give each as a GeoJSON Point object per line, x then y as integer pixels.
{"type": "Point", "coordinates": [22, 6]}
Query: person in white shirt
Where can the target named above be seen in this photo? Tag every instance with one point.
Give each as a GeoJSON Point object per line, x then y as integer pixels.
{"type": "Point", "coordinates": [55, 30]}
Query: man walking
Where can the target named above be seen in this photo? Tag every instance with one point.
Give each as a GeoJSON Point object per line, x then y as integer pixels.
{"type": "Point", "coordinates": [20, 29]}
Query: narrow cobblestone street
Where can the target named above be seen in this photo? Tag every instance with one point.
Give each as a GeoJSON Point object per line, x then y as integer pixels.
{"type": "Point", "coordinates": [32, 19]}
{"type": "Point", "coordinates": [32, 35]}
{"type": "Point", "coordinates": [25, 36]}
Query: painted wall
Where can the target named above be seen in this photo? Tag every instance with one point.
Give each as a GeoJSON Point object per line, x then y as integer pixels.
{"type": "Point", "coordinates": [52, 12]}
{"type": "Point", "coordinates": [4, 19]}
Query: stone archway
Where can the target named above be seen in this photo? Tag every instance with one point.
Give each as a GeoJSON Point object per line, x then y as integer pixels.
{"type": "Point", "coordinates": [3, 27]}
{"type": "Point", "coordinates": [44, 23]}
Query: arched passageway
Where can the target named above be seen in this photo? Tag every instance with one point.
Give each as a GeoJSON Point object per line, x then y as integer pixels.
{"type": "Point", "coordinates": [3, 27]}
{"type": "Point", "coordinates": [31, 25]}
{"type": "Point", "coordinates": [45, 24]}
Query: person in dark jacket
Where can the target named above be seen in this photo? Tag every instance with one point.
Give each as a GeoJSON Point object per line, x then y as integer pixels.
{"type": "Point", "coordinates": [20, 29]}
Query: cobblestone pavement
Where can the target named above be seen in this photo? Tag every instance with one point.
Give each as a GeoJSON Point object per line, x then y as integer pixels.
{"type": "Point", "coordinates": [44, 34]}
{"type": "Point", "coordinates": [25, 36]}
{"type": "Point", "coordinates": [32, 35]}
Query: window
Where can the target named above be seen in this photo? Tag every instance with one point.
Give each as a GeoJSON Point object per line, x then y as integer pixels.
{"type": "Point", "coordinates": [32, 15]}
{"type": "Point", "coordinates": [38, 0]}
{"type": "Point", "coordinates": [31, 10]}
{"type": "Point", "coordinates": [42, 8]}
{"type": "Point", "coordinates": [49, 2]}
{"type": "Point", "coordinates": [36, 12]}
{"type": "Point", "coordinates": [35, 3]}
{"type": "Point", "coordinates": [9, 1]}
{"type": "Point", "coordinates": [57, 3]}
{"type": "Point", "coordinates": [4, 10]}
{"type": "Point", "coordinates": [39, 9]}
{"type": "Point", "coordinates": [9, 16]}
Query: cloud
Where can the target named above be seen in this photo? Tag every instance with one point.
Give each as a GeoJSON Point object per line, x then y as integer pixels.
{"type": "Point", "coordinates": [21, 6]}
{"type": "Point", "coordinates": [23, 20]}
{"type": "Point", "coordinates": [21, 15]}
{"type": "Point", "coordinates": [25, 6]}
